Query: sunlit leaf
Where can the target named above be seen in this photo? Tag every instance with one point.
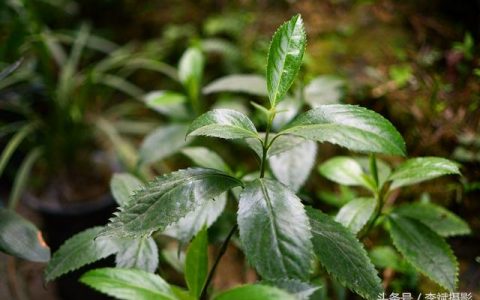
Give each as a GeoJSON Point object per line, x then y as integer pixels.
{"type": "Point", "coordinates": [241, 83]}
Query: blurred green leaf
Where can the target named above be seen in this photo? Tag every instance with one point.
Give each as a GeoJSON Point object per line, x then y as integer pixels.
{"type": "Point", "coordinates": [140, 253]}
{"type": "Point", "coordinates": [301, 290]}
{"type": "Point", "coordinates": [190, 72]}
{"type": "Point", "coordinates": [356, 213]}
{"type": "Point", "coordinates": [163, 142]}
{"type": "Point", "coordinates": [324, 90]}
{"type": "Point", "coordinates": [196, 263]}
{"type": "Point", "coordinates": [206, 158]}
{"type": "Point", "coordinates": [168, 103]}
{"type": "Point", "coordinates": [345, 170]}
{"type": "Point", "coordinates": [255, 292]}
{"type": "Point", "coordinates": [123, 185]}
{"type": "Point", "coordinates": [240, 83]}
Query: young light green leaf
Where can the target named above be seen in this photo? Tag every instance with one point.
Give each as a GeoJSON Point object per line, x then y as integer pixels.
{"type": "Point", "coordinates": [162, 143]}
{"type": "Point", "coordinates": [168, 103]}
{"type": "Point", "coordinates": [205, 215]}
{"type": "Point", "coordinates": [293, 166]}
{"type": "Point", "coordinates": [206, 158]}
{"type": "Point", "coordinates": [344, 170]}
{"type": "Point", "coordinates": [190, 71]}
{"type": "Point", "coordinates": [343, 256]}
{"type": "Point", "coordinates": [439, 219]}
{"type": "Point", "coordinates": [167, 199]}
{"type": "Point", "coordinates": [383, 169]}
{"type": "Point", "coordinates": [128, 284]}
{"type": "Point", "coordinates": [255, 292]}
{"type": "Point", "coordinates": [123, 185]}
{"type": "Point", "coordinates": [241, 83]}
{"type": "Point", "coordinates": [356, 213]}
{"type": "Point", "coordinates": [196, 263]}
{"type": "Point", "coordinates": [350, 126]}
{"type": "Point", "coordinates": [274, 230]}
{"type": "Point", "coordinates": [419, 169]}
{"type": "Point", "coordinates": [77, 251]}
{"type": "Point", "coordinates": [285, 58]}
{"type": "Point", "coordinates": [20, 238]}
{"type": "Point", "coordinates": [425, 250]}
{"type": "Point", "coordinates": [324, 90]}
{"type": "Point", "coordinates": [140, 253]}
{"type": "Point", "coordinates": [223, 123]}
{"type": "Point", "coordinates": [301, 290]}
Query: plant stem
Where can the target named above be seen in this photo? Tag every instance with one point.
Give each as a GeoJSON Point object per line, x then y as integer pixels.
{"type": "Point", "coordinates": [223, 249]}
{"type": "Point", "coordinates": [379, 196]}
{"type": "Point", "coordinates": [265, 144]}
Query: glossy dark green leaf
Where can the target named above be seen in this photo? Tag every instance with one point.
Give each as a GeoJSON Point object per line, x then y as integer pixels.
{"type": "Point", "coordinates": [223, 123]}
{"type": "Point", "coordinates": [350, 126]}
{"type": "Point", "coordinates": [163, 142]}
{"type": "Point", "coordinates": [206, 158]}
{"type": "Point", "coordinates": [140, 253]}
{"type": "Point", "coordinates": [196, 263]}
{"type": "Point", "coordinates": [293, 166]}
{"type": "Point", "coordinates": [356, 213]}
{"type": "Point", "coordinates": [168, 103]}
{"type": "Point", "coordinates": [20, 238]}
{"type": "Point", "coordinates": [190, 71]}
{"type": "Point", "coordinates": [285, 58]}
{"type": "Point", "coordinates": [425, 250]}
{"type": "Point", "coordinates": [205, 215]}
{"type": "Point", "coordinates": [439, 219]}
{"type": "Point", "coordinates": [301, 290]}
{"type": "Point", "coordinates": [344, 170]}
{"type": "Point", "coordinates": [241, 83]}
{"type": "Point", "coordinates": [419, 169]}
{"type": "Point", "coordinates": [274, 230]}
{"type": "Point", "coordinates": [79, 250]}
{"type": "Point", "coordinates": [167, 199]}
{"type": "Point", "coordinates": [122, 186]}
{"type": "Point", "coordinates": [343, 256]}
{"type": "Point", "coordinates": [255, 292]}
{"type": "Point", "coordinates": [128, 284]}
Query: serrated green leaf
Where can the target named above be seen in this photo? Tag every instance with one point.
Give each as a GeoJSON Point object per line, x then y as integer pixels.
{"type": "Point", "coordinates": [223, 123]}
{"type": "Point", "coordinates": [285, 58]}
{"type": "Point", "coordinates": [168, 103]}
{"type": "Point", "coordinates": [301, 290]}
{"type": "Point", "coordinates": [205, 215]}
{"type": "Point", "coordinates": [206, 158]}
{"type": "Point", "coordinates": [163, 142]}
{"type": "Point", "coordinates": [196, 263]}
{"type": "Point", "coordinates": [425, 250]}
{"type": "Point", "coordinates": [344, 170]}
{"type": "Point", "coordinates": [419, 169]}
{"type": "Point", "coordinates": [439, 219]}
{"type": "Point", "coordinates": [140, 253]}
{"type": "Point", "coordinates": [343, 256]}
{"type": "Point", "coordinates": [20, 238]}
{"type": "Point", "coordinates": [128, 284]}
{"type": "Point", "coordinates": [122, 186]}
{"type": "Point", "coordinates": [293, 166]}
{"type": "Point", "coordinates": [324, 90]}
{"type": "Point", "coordinates": [190, 71]}
{"type": "Point", "coordinates": [274, 230]}
{"type": "Point", "coordinates": [167, 199]}
{"type": "Point", "coordinates": [349, 126]}
{"type": "Point", "coordinates": [241, 83]}
{"type": "Point", "coordinates": [79, 250]}
{"type": "Point", "coordinates": [255, 292]}
{"type": "Point", "coordinates": [356, 213]}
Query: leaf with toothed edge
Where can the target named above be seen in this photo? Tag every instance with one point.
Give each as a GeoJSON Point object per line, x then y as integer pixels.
{"type": "Point", "coordinates": [274, 230]}
{"type": "Point", "coordinates": [167, 200]}
{"type": "Point", "coordinates": [349, 126]}
{"type": "Point", "coordinates": [343, 256]}
{"type": "Point", "coordinates": [223, 123]}
{"type": "Point", "coordinates": [285, 58]}
{"type": "Point", "coordinates": [122, 186]}
{"type": "Point", "coordinates": [425, 250]}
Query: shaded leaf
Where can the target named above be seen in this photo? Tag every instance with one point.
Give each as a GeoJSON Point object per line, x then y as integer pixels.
{"type": "Point", "coordinates": [190, 71]}
{"type": "Point", "coordinates": [350, 126]}
{"type": "Point", "coordinates": [301, 290]}
{"type": "Point", "coordinates": [123, 185]}
{"type": "Point", "coordinates": [356, 213]}
{"type": "Point", "coordinates": [163, 142]}
{"type": "Point", "coordinates": [20, 238]}
{"type": "Point", "coordinates": [425, 250]}
{"type": "Point", "coordinates": [255, 292]}
{"type": "Point", "coordinates": [286, 111]}
{"type": "Point", "coordinates": [241, 83]}
{"type": "Point", "coordinates": [206, 158]}
{"type": "Point", "coordinates": [128, 284]}
{"type": "Point", "coordinates": [140, 253]}
{"type": "Point", "coordinates": [168, 103]}
{"type": "Point", "coordinates": [168, 199]}
{"type": "Point", "coordinates": [285, 58]}
{"type": "Point", "coordinates": [324, 90]}
{"type": "Point", "coordinates": [274, 230]}
{"type": "Point", "coordinates": [196, 263]}
{"type": "Point", "coordinates": [223, 123]}
{"type": "Point", "coordinates": [419, 169]}
{"type": "Point", "coordinates": [343, 256]}
{"type": "Point", "coordinates": [439, 219]}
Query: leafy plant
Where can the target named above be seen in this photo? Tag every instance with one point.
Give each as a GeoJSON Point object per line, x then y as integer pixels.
{"type": "Point", "coordinates": [282, 239]}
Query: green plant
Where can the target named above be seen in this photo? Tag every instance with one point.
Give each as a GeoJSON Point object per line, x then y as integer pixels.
{"type": "Point", "coordinates": [282, 239]}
